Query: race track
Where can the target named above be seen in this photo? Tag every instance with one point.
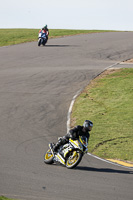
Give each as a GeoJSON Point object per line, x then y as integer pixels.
{"type": "Point", "coordinates": [37, 85]}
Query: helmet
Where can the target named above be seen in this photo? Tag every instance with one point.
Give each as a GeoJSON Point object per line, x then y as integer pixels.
{"type": "Point", "coordinates": [45, 27]}
{"type": "Point", "coordinates": [87, 125]}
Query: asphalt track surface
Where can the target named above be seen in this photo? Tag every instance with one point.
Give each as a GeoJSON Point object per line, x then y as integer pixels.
{"type": "Point", "coordinates": [36, 87]}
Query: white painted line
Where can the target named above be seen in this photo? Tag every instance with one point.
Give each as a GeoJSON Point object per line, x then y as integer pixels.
{"type": "Point", "coordinates": [74, 98]}
{"type": "Point", "coordinates": [124, 63]}
{"type": "Point", "coordinates": [70, 110]}
{"type": "Point", "coordinates": [108, 161]}
{"type": "Point", "coordinates": [69, 114]}
{"type": "Point", "coordinates": [111, 66]}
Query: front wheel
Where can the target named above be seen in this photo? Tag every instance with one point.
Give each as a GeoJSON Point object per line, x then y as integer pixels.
{"type": "Point", "coordinates": [73, 159]}
{"type": "Point", "coordinates": [48, 157]}
{"type": "Point", "coordinates": [39, 41]}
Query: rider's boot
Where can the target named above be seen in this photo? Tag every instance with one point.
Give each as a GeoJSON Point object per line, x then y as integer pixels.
{"type": "Point", "coordinates": [57, 145]}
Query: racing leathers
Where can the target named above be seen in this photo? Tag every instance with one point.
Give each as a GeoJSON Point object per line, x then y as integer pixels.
{"type": "Point", "coordinates": [44, 31]}
{"type": "Point", "coordinates": [73, 134]}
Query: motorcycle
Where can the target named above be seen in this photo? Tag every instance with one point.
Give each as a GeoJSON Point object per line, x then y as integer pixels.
{"type": "Point", "coordinates": [42, 38]}
{"type": "Point", "coordinates": [69, 154]}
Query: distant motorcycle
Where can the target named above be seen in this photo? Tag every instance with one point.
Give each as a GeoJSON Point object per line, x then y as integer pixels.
{"type": "Point", "coordinates": [42, 38]}
{"type": "Point", "coordinates": [69, 154]}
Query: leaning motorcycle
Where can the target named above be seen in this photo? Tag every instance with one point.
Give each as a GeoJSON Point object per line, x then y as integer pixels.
{"type": "Point", "coordinates": [69, 154]}
{"type": "Point", "coordinates": [42, 38]}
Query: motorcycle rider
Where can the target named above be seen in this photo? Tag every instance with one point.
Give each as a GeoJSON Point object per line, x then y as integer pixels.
{"type": "Point", "coordinates": [44, 30]}
{"type": "Point", "coordinates": [74, 134]}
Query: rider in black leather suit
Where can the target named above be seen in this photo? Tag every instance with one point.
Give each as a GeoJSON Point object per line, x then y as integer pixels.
{"type": "Point", "coordinates": [74, 134]}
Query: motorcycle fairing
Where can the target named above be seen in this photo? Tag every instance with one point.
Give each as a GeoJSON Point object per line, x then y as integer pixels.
{"type": "Point", "coordinates": [76, 144]}
{"type": "Point", "coordinates": [59, 158]}
{"type": "Point", "coordinates": [73, 145]}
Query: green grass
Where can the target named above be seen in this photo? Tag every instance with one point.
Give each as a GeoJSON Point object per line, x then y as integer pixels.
{"type": "Point", "coordinates": [108, 102]}
{"type": "Point", "coordinates": [4, 198]}
{"type": "Point", "coordinates": [16, 36]}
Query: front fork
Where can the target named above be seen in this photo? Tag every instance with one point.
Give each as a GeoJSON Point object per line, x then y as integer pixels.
{"type": "Point", "coordinates": [51, 148]}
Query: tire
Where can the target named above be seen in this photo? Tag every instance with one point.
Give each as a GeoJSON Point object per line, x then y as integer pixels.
{"type": "Point", "coordinates": [48, 157]}
{"type": "Point", "coordinates": [44, 42]}
{"type": "Point", "coordinates": [73, 159]}
{"type": "Point", "coordinates": [39, 42]}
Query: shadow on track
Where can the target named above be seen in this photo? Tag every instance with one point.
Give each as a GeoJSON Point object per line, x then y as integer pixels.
{"type": "Point", "coordinates": [63, 45]}
{"type": "Point", "coordinates": [103, 170]}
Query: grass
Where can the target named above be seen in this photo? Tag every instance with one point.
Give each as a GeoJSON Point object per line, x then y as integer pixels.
{"type": "Point", "coordinates": [16, 36]}
{"type": "Point", "coordinates": [108, 102]}
{"type": "Point", "coordinates": [5, 198]}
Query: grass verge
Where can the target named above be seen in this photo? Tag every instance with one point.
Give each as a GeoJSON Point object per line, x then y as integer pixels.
{"type": "Point", "coordinates": [5, 198]}
{"type": "Point", "coordinates": [16, 36]}
{"type": "Point", "coordinates": [108, 102]}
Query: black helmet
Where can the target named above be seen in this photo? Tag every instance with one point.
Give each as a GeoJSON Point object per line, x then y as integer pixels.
{"type": "Point", "coordinates": [87, 125]}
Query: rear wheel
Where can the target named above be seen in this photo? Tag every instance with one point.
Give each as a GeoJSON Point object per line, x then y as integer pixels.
{"type": "Point", "coordinates": [73, 159]}
{"type": "Point", "coordinates": [44, 42]}
{"type": "Point", "coordinates": [48, 157]}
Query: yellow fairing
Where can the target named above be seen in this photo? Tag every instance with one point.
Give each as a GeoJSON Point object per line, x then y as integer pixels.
{"type": "Point", "coordinates": [61, 160]}
{"type": "Point", "coordinates": [75, 142]}
{"type": "Point", "coordinates": [48, 155]}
